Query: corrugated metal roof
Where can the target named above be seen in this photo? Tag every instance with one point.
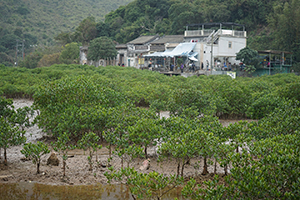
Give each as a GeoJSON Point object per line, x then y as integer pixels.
{"type": "Point", "coordinates": [169, 39]}
{"type": "Point", "coordinates": [143, 39]}
{"type": "Point", "coordinates": [274, 52]}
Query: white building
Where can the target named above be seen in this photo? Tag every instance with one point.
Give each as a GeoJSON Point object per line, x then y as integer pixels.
{"type": "Point", "coordinates": [137, 48]}
{"type": "Point", "coordinates": [216, 45]}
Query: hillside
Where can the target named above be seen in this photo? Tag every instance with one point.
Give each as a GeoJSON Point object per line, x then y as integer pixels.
{"type": "Point", "coordinates": [40, 20]}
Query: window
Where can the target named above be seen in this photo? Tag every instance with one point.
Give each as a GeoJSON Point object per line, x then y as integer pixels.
{"type": "Point", "coordinates": [230, 45]}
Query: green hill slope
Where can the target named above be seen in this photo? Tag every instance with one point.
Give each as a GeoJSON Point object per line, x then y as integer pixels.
{"type": "Point", "coordinates": [41, 20]}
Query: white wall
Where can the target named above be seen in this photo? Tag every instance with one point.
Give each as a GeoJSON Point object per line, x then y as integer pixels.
{"type": "Point", "coordinates": [83, 58]}
{"type": "Point", "coordinates": [220, 50]}
{"type": "Point", "coordinates": [204, 53]}
{"type": "Point", "coordinates": [236, 45]}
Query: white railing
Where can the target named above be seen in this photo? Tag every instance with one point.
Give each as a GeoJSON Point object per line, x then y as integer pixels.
{"type": "Point", "coordinates": [240, 33]}
{"type": "Point", "coordinates": [208, 32]}
{"type": "Point", "coordinates": [198, 33]}
{"type": "Point", "coordinates": [193, 33]}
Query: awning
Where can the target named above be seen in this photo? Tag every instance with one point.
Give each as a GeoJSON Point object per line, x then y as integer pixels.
{"type": "Point", "coordinates": [192, 55]}
{"type": "Point", "coordinates": [183, 49]}
{"type": "Point", "coordinates": [157, 54]}
{"type": "Point", "coordinates": [193, 58]}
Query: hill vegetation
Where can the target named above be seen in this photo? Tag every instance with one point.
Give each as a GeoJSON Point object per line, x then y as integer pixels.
{"type": "Point", "coordinates": [262, 20]}
{"type": "Point", "coordinates": [38, 21]}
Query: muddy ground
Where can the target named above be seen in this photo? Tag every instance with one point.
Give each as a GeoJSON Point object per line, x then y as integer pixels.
{"type": "Point", "coordinates": [77, 172]}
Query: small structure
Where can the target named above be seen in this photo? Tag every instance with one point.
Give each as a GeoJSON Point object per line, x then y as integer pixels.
{"type": "Point", "coordinates": [83, 55]}
{"type": "Point", "coordinates": [137, 48]}
{"type": "Point", "coordinates": [274, 62]}
{"type": "Point", "coordinates": [83, 51]}
{"type": "Point", "coordinates": [122, 54]}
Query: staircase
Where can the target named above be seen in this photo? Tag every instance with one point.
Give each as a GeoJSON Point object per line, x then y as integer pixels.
{"type": "Point", "coordinates": [213, 36]}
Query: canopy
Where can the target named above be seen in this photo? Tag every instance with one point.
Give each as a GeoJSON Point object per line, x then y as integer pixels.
{"type": "Point", "coordinates": [192, 56]}
{"type": "Point", "coordinates": [157, 54]}
{"type": "Point", "coordinates": [183, 49]}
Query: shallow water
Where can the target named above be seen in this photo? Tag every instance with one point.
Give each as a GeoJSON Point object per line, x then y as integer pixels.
{"type": "Point", "coordinates": [36, 191]}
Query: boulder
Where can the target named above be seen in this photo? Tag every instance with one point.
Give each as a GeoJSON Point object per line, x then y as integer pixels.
{"type": "Point", "coordinates": [53, 160]}
{"type": "Point", "coordinates": [145, 165]}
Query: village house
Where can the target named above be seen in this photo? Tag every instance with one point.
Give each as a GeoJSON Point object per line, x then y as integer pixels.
{"type": "Point", "coordinates": [201, 43]}
{"type": "Point", "coordinates": [218, 44]}
{"type": "Point", "coordinates": [137, 48]}
{"type": "Point", "coordinates": [166, 42]}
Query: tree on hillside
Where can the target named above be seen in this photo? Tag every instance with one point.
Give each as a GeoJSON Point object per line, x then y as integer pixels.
{"type": "Point", "coordinates": [287, 37]}
{"type": "Point", "coordinates": [86, 31]}
{"type": "Point", "coordinates": [31, 60]}
{"type": "Point", "coordinates": [247, 56]}
{"type": "Point", "coordinates": [101, 48]}
{"type": "Point", "coordinates": [103, 29]}
{"type": "Point", "coordinates": [69, 53]}
{"type": "Point", "coordinates": [65, 38]}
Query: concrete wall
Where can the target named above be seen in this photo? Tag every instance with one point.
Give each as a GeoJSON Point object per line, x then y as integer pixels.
{"type": "Point", "coordinates": [221, 50]}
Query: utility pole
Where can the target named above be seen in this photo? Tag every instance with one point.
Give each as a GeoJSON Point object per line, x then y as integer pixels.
{"type": "Point", "coordinates": [16, 63]}
{"type": "Point", "coordinates": [17, 51]}
{"type": "Point", "coordinates": [211, 56]}
{"type": "Point", "coordinates": [23, 55]}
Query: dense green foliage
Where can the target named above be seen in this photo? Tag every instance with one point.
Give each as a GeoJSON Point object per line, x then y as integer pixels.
{"type": "Point", "coordinates": [70, 53]}
{"type": "Point", "coordinates": [261, 19]}
{"type": "Point", "coordinates": [101, 48]}
{"type": "Point", "coordinates": [44, 19]}
{"type": "Point", "coordinates": [218, 95]}
{"type": "Point", "coordinates": [140, 17]}
{"type": "Point", "coordinates": [85, 105]}
{"type": "Point", "coordinates": [39, 21]}
{"type": "Point", "coordinates": [152, 185]}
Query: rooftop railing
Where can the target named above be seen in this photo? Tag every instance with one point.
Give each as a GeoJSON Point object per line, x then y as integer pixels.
{"type": "Point", "coordinates": [234, 33]}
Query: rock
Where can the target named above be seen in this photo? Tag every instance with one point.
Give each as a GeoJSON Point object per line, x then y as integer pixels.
{"type": "Point", "coordinates": [145, 165]}
{"type": "Point", "coordinates": [53, 160]}
{"type": "Point", "coordinates": [5, 177]}
{"type": "Point", "coordinates": [25, 159]}
{"type": "Point", "coordinates": [105, 164]}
